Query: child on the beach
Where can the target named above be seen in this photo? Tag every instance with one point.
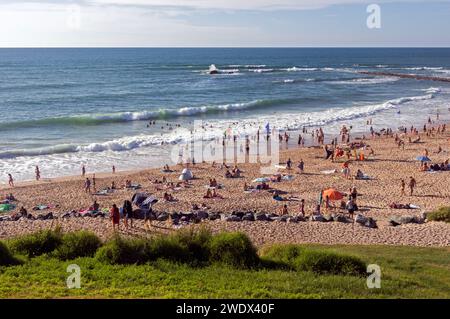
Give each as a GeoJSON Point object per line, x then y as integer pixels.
{"type": "Point", "coordinates": [402, 187]}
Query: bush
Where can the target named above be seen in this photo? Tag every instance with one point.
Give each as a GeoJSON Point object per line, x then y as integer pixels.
{"type": "Point", "coordinates": [234, 249]}
{"type": "Point", "coordinates": [6, 257]}
{"type": "Point", "coordinates": [197, 244]}
{"type": "Point", "coordinates": [122, 251]}
{"type": "Point", "coordinates": [78, 244]}
{"type": "Point", "coordinates": [323, 262]}
{"type": "Point", "coordinates": [283, 255]}
{"type": "Point", "coordinates": [39, 243]}
{"type": "Point", "coordinates": [440, 215]}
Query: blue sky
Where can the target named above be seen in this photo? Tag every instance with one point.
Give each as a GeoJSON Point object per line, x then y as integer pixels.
{"type": "Point", "coordinates": [292, 23]}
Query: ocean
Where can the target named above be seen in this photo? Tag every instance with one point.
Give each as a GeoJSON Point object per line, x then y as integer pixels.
{"type": "Point", "coordinates": [62, 108]}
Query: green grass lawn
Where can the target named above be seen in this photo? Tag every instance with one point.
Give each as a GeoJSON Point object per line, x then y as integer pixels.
{"type": "Point", "coordinates": [407, 272]}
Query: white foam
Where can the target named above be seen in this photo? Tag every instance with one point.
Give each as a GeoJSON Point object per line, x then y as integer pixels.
{"type": "Point", "coordinates": [362, 81]}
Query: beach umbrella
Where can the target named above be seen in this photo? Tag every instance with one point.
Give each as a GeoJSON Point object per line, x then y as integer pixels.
{"type": "Point", "coordinates": [423, 158]}
{"type": "Point", "coordinates": [332, 194]}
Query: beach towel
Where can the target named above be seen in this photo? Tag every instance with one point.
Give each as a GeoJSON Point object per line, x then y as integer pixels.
{"type": "Point", "coordinates": [288, 177]}
{"type": "Point", "coordinates": [261, 180]}
{"type": "Point", "coordinates": [44, 207]}
{"type": "Point", "coordinates": [6, 207]}
{"type": "Point", "coordinates": [329, 172]}
{"type": "Point", "coordinates": [252, 190]}
{"type": "Point", "coordinates": [280, 166]}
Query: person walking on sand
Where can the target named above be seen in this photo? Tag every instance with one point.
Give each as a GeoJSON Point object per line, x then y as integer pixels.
{"type": "Point", "coordinates": [87, 186]}
{"type": "Point", "coordinates": [10, 180]}
{"type": "Point", "coordinates": [301, 166]}
{"type": "Point", "coordinates": [114, 214]}
{"type": "Point", "coordinates": [412, 185]}
{"type": "Point", "coordinates": [83, 171]}
{"type": "Point", "coordinates": [127, 213]}
{"type": "Point", "coordinates": [38, 173]}
{"type": "Point", "coordinates": [402, 187]}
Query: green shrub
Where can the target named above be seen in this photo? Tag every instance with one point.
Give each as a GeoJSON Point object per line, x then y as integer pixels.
{"type": "Point", "coordinates": [234, 249]}
{"type": "Point", "coordinates": [6, 257]}
{"type": "Point", "coordinates": [281, 254]}
{"type": "Point", "coordinates": [168, 248]}
{"type": "Point", "coordinates": [323, 262]}
{"type": "Point", "coordinates": [440, 215]}
{"type": "Point", "coordinates": [39, 243]}
{"type": "Point", "coordinates": [78, 244]}
{"type": "Point", "coordinates": [197, 244]}
{"type": "Point", "coordinates": [122, 251]}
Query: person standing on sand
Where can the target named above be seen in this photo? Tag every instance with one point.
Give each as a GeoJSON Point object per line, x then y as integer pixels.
{"type": "Point", "coordinates": [87, 186]}
{"type": "Point", "coordinates": [412, 185]}
{"type": "Point", "coordinates": [301, 166]}
{"type": "Point", "coordinates": [115, 217]}
{"type": "Point", "coordinates": [10, 180]}
{"type": "Point", "coordinates": [83, 171]}
{"type": "Point", "coordinates": [127, 213]}
{"type": "Point", "coordinates": [302, 207]}
{"type": "Point", "coordinates": [320, 198]}
{"type": "Point", "coordinates": [93, 183]}
{"type": "Point", "coordinates": [113, 169]}
{"type": "Point", "coordinates": [402, 187]}
{"type": "Point", "coordinates": [38, 173]}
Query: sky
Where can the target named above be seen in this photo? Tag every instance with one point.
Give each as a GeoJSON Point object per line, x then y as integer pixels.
{"type": "Point", "coordinates": [224, 23]}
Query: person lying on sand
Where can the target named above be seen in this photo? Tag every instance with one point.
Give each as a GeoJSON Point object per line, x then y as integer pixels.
{"type": "Point", "coordinates": [263, 186]}
{"type": "Point", "coordinates": [168, 197]}
{"type": "Point", "coordinates": [213, 183]}
{"type": "Point", "coordinates": [10, 197]}
{"type": "Point", "coordinates": [284, 210]}
{"type": "Point", "coordinates": [228, 174]}
{"type": "Point", "coordinates": [276, 196]}
{"type": "Point", "coordinates": [359, 174]}
{"type": "Point", "coordinates": [417, 140]}
{"type": "Point", "coordinates": [236, 172]}
{"type": "Point", "coordinates": [275, 178]}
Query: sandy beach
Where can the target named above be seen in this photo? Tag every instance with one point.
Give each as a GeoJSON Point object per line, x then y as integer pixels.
{"type": "Point", "coordinates": [389, 165]}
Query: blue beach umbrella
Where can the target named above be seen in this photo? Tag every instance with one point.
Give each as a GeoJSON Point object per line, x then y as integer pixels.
{"type": "Point", "coordinates": [423, 158]}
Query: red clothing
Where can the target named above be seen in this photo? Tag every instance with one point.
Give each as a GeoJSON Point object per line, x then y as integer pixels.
{"type": "Point", "coordinates": [115, 215]}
